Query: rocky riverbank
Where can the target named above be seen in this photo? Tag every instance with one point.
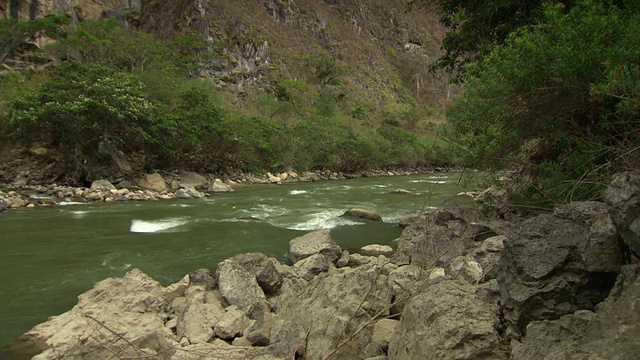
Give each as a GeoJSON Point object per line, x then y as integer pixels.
{"type": "Point", "coordinates": [458, 286]}
{"type": "Point", "coordinates": [181, 184]}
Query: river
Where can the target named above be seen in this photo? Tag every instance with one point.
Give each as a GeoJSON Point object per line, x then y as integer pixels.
{"type": "Point", "coordinates": [51, 255]}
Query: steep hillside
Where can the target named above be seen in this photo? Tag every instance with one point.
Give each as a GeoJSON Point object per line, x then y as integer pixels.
{"type": "Point", "coordinates": [385, 48]}
{"type": "Point", "coordinates": [215, 86]}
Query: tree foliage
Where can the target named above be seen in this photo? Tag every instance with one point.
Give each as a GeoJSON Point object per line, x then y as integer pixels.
{"type": "Point", "coordinates": [476, 25]}
{"type": "Point", "coordinates": [561, 96]}
{"type": "Point", "coordinates": [84, 103]}
{"type": "Point", "coordinates": [15, 35]}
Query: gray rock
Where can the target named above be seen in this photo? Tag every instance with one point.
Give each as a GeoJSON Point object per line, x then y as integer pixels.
{"type": "Point", "coordinates": [18, 202]}
{"type": "Point", "coordinates": [465, 268]}
{"type": "Point", "coordinates": [546, 337]}
{"type": "Point", "coordinates": [202, 277]}
{"type": "Point", "coordinates": [133, 305]}
{"type": "Point", "coordinates": [356, 260]}
{"type": "Point", "coordinates": [266, 270]}
{"type": "Point", "coordinates": [449, 320]}
{"type": "Point", "coordinates": [192, 179]}
{"type": "Point", "coordinates": [403, 281]}
{"type": "Point", "coordinates": [188, 192]}
{"type": "Point", "coordinates": [326, 307]}
{"type": "Point", "coordinates": [376, 250]}
{"type": "Point", "coordinates": [102, 185]}
{"type": "Point", "coordinates": [218, 349]}
{"type": "Point", "coordinates": [488, 256]}
{"type": "Point", "coordinates": [259, 333]}
{"type": "Point", "coordinates": [196, 322]}
{"type": "Point", "coordinates": [343, 260]}
{"type": "Point", "coordinates": [153, 182]}
{"type": "Point", "coordinates": [623, 194]}
{"type": "Point", "coordinates": [239, 287]}
{"type": "Point", "coordinates": [316, 242]}
{"type": "Point", "coordinates": [362, 214]}
{"type": "Point", "coordinates": [440, 236]}
{"type": "Point", "coordinates": [542, 274]}
{"type": "Point", "coordinates": [383, 331]}
{"type": "Point", "coordinates": [311, 266]}
{"type": "Point", "coordinates": [231, 324]}
{"type": "Point", "coordinates": [611, 332]}
{"type": "Point", "coordinates": [218, 186]}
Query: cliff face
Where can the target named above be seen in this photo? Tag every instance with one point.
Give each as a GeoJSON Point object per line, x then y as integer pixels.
{"type": "Point", "coordinates": [91, 9]}
{"type": "Point", "coordinates": [386, 49]}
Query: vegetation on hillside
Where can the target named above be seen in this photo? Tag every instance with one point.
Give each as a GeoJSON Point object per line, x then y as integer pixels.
{"type": "Point", "coordinates": [142, 95]}
{"type": "Point", "coordinates": [558, 99]}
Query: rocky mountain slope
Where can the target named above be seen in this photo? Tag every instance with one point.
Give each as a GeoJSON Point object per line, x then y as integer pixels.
{"type": "Point", "coordinates": [385, 48]}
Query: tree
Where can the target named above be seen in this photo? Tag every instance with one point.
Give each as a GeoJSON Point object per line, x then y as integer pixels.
{"type": "Point", "coordinates": [81, 105]}
{"type": "Point", "coordinates": [476, 25]}
{"type": "Point", "coordinates": [562, 96]}
{"type": "Point", "coordinates": [15, 35]}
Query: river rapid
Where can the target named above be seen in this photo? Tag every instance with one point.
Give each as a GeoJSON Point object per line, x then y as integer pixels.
{"type": "Point", "coordinates": [51, 255]}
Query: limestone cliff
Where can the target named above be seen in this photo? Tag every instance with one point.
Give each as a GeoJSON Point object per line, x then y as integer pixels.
{"type": "Point", "coordinates": [386, 48]}
{"type": "Point", "coordinates": [91, 9]}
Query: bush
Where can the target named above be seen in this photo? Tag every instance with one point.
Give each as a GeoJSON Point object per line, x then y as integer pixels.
{"type": "Point", "coordinates": [560, 98]}
{"type": "Point", "coordinates": [83, 104]}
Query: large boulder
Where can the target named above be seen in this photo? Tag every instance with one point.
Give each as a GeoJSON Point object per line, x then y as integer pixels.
{"type": "Point", "coordinates": [127, 313]}
{"type": "Point", "coordinates": [188, 178]}
{"type": "Point", "coordinates": [153, 182]}
{"type": "Point", "coordinates": [102, 185]}
{"type": "Point", "coordinates": [267, 271]}
{"type": "Point", "coordinates": [542, 270]}
{"type": "Point", "coordinates": [239, 287]}
{"type": "Point", "coordinates": [436, 238]}
{"type": "Point", "coordinates": [316, 242]}
{"type": "Point", "coordinates": [623, 195]}
{"type": "Point", "coordinates": [449, 320]}
{"type": "Point", "coordinates": [315, 318]}
{"type": "Point", "coordinates": [188, 192]}
{"type": "Point", "coordinates": [611, 332]}
{"type": "Point", "coordinates": [218, 186]}
{"type": "Point", "coordinates": [362, 214]}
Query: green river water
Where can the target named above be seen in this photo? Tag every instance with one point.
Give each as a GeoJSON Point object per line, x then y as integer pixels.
{"type": "Point", "coordinates": [50, 255]}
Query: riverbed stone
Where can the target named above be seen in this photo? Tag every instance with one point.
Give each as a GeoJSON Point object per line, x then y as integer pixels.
{"type": "Point", "coordinates": [101, 185]}
{"type": "Point", "coordinates": [195, 180]}
{"type": "Point", "coordinates": [188, 192]}
{"type": "Point", "coordinates": [362, 214]}
{"type": "Point", "coordinates": [153, 182]}
{"type": "Point", "coordinates": [376, 250]}
{"type": "Point", "coordinates": [218, 185]}
{"type": "Point", "coordinates": [315, 242]}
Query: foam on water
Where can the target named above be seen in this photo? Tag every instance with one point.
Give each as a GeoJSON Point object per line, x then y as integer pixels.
{"type": "Point", "coordinates": [327, 219]}
{"type": "Point", "coordinates": [64, 203]}
{"type": "Point", "coordinates": [143, 226]}
{"type": "Point", "coordinates": [297, 192]}
{"type": "Point", "coordinates": [79, 214]}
